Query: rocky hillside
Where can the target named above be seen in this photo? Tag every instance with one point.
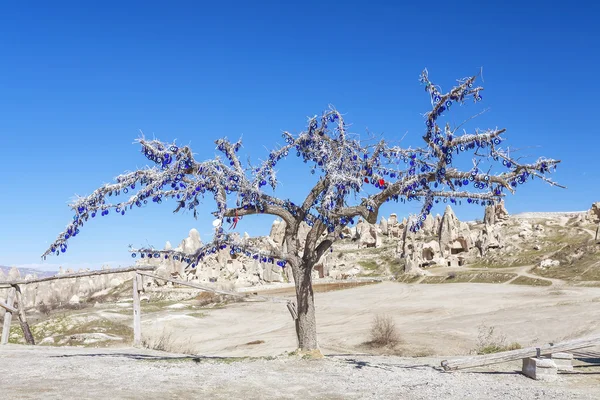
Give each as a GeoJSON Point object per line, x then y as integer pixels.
{"type": "Point", "coordinates": [545, 245]}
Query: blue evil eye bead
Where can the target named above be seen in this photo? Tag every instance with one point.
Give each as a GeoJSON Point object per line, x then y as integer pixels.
{"type": "Point", "coordinates": [156, 255]}
{"type": "Point", "coordinates": [142, 255]}
{"type": "Point", "coordinates": [448, 104]}
{"type": "Point", "coordinates": [133, 255]}
{"type": "Point", "coordinates": [465, 182]}
{"type": "Point", "coordinates": [437, 98]}
{"type": "Point", "coordinates": [497, 141]}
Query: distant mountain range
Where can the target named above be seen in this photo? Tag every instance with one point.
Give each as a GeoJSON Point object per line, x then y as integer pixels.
{"type": "Point", "coordinates": [25, 271]}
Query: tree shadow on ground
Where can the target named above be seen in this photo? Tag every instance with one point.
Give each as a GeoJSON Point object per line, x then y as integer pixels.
{"type": "Point", "coordinates": [360, 364]}
{"type": "Point", "coordinates": [148, 357]}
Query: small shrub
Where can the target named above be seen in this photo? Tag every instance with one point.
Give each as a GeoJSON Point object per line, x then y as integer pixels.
{"type": "Point", "coordinates": [489, 342]}
{"type": "Point", "coordinates": [165, 342]}
{"type": "Point", "coordinates": [44, 309]}
{"type": "Point", "coordinates": [384, 332]}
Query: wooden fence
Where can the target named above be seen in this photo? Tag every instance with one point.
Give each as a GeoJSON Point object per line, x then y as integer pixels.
{"type": "Point", "coordinates": [513, 355]}
{"type": "Point", "coordinates": [15, 293]}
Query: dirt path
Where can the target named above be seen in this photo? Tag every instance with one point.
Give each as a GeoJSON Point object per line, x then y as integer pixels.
{"type": "Point", "coordinates": [77, 373]}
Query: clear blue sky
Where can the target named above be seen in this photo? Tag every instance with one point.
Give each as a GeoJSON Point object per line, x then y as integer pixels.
{"type": "Point", "coordinates": [78, 80]}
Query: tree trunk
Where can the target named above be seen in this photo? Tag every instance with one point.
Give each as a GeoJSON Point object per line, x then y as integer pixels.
{"type": "Point", "coordinates": [306, 324]}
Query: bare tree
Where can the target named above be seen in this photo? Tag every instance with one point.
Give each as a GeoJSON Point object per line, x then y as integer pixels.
{"type": "Point", "coordinates": [354, 180]}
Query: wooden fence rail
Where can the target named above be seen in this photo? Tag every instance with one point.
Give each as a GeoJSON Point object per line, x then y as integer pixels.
{"type": "Point", "coordinates": [14, 291]}
{"type": "Point", "coordinates": [512, 355]}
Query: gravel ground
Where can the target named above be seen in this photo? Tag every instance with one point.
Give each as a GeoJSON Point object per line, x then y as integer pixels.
{"type": "Point", "coordinates": [126, 373]}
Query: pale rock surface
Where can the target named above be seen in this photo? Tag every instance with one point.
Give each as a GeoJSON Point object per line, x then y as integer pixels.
{"type": "Point", "coordinates": [368, 235]}
{"type": "Point", "coordinates": [14, 274]}
{"type": "Point", "coordinates": [454, 236]}
{"type": "Point", "coordinates": [383, 225]}
{"type": "Point", "coordinates": [594, 212]}
{"type": "Point", "coordinates": [548, 263]}
{"type": "Point", "coordinates": [429, 225]}
{"type": "Point", "coordinates": [278, 231]}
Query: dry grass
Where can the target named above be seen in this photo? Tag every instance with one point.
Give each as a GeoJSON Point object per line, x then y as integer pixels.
{"type": "Point", "coordinates": [488, 341]}
{"type": "Point", "coordinates": [578, 262]}
{"type": "Point", "coordinates": [472, 277]}
{"type": "Point", "coordinates": [525, 280]}
{"type": "Point", "coordinates": [164, 341]}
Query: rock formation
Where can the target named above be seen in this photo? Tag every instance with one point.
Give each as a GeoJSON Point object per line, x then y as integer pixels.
{"type": "Point", "coordinates": [14, 274]}
{"type": "Point", "coordinates": [594, 213]}
{"type": "Point", "coordinates": [383, 226]}
{"type": "Point", "coordinates": [454, 236]}
{"type": "Point", "coordinates": [393, 227]}
{"type": "Point", "coordinates": [368, 235]}
{"type": "Point", "coordinates": [495, 213]}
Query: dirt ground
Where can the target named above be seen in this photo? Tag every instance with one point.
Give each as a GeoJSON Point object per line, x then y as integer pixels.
{"type": "Point", "coordinates": [435, 322]}
{"type": "Point", "coordinates": [432, 319]}
{"type": "Point", "coordinates": [126, 373]}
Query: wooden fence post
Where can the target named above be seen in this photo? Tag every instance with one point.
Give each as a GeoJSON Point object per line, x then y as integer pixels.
{"type": "Point", "coordinates": [8, 316]}
{"type": "Point", "coordinates": [22, 318]}
{"type": "Point", "coordinates": [137, 309]}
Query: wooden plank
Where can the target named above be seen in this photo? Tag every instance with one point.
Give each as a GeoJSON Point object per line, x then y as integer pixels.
{"type": "Point", "coordinates": [22, 317]}
{"type": "Point", "coordinates": [8, 316]}
{"type": "Point", "coordinates": [140, 282]}
{"type": "Point", "coordinates": [137, 310]}
{"type": "Point", "coordinates": [219, 291]}
{"type": "Point", "coordinates": [8, 308]}
{"type": "Point", "coordinates": [79, 275]}
{"type": "Point", "coordinates": [512, 355]}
